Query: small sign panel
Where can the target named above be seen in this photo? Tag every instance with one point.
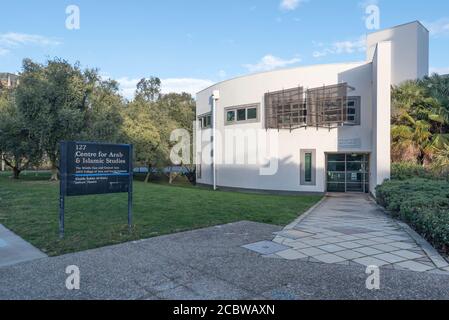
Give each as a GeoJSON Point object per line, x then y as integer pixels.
{"type": "Point", "coordinates": [93, 168]}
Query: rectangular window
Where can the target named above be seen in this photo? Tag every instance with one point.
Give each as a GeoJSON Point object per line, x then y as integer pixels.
{"type": "Point", "coordinates": [252, 113]}
{"type": "Point", "coordinates": [308, 167]}
{"type": "Point", "coordinates": [198, 171]}
{"type": "Point", "coordinates": [241, 115]}
{"type": "Point", "coordinates": [205, 121]}
{"type": "Point", "coordinates": [230, 117]}
{"type": "Point", "coordinates": [353, 111]}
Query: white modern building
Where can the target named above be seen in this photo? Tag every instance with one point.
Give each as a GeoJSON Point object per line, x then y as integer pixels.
{"type": "Point", "coordinates": [331, 122]}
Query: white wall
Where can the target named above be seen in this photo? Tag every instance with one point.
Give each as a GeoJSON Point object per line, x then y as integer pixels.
{"type": "Point", "coordinates": [381, 155]}
{"type": "Point", "coordinates": [409, 50]}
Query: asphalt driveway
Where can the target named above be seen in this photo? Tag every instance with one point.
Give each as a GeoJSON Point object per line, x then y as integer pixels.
{"type": "Point", "coordinates": [207, 264]}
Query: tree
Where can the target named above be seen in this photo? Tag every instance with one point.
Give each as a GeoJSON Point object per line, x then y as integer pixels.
{"type": "Point", "coordinates": [103, 118]}
{"type": "Point", "coordinates": [148, 90]}
{"type": "Point", "coordinates": [181, 109]}
{"type": "Point", "coordinates": [420, 124]}
{"type": "Point", "coordinates": [59, 101]}
{"type": "Point", "coordinates": [148, 128]}
{"type": "Point", "coordinates": [19, 148]}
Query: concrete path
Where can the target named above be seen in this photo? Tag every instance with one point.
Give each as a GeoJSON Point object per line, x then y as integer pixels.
{"type": "Point", "coordinates": [207, 264]}
{"type": "Point", "coordinates": [352, 230]}
{"type": "Point", "coordinates": [14, 249]}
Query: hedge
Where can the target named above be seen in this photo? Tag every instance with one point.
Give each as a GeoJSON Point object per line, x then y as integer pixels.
{"type": "Point", "coordinates": [422, 203]}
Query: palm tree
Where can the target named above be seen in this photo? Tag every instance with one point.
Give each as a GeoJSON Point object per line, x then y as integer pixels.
{"type": "Point", "coordinates": [420, 121]}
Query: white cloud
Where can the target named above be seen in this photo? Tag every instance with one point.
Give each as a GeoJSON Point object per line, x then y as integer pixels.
{"type": "Point", "coordinates": [270, 62]}
{"type": "Point", "coordinates": [176, 85]}
{"type": "Point", "coordinates": [12, 40]}
{"type": "Point", "coordinates": [341, 47]}
{"type": "Point", "coordinates": [439, 70]}
{"type": "Point", "coordinates": [289, 5]}
{"type": "Point", "coordinates": [439, 27]}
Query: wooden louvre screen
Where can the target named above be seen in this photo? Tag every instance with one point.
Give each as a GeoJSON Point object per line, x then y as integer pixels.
{"type": "Point", "coordinates": [324, 107]}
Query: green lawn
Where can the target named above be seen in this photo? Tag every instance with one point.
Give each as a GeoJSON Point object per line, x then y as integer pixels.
{"type": "Point", "coordinates": [29, 207]}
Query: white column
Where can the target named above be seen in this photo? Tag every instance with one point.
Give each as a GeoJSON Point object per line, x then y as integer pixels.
{"type": "Point", "coordinates": [215, 98]}
{"type": "Point", "coordinates": [382, 81]}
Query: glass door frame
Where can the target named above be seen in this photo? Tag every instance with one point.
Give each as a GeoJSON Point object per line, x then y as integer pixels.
{"type": "Point", "coordinates": [365, 173]}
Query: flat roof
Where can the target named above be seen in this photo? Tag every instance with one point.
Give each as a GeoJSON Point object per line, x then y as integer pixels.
{"type": "Point", "coordinates": [400, 26]}
{"type": "Point", "coordinates": [284, 69]}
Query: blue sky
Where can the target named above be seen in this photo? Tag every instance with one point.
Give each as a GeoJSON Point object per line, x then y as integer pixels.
{"type": "Point", "coordinates": [191, 44]}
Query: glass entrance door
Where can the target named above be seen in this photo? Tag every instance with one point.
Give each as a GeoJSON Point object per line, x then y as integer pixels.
{"type": "Point", "coordinates": [347, 172]}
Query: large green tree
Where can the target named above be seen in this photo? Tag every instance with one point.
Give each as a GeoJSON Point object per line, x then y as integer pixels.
{"type": "Point", "coordinates": [148, 128]}
{"type": "Point", "coordinates": [148, 89]}
{"type": "Point", "coordinates": [59, 101]}
{"type": "Point", "coordinates": [19, 148]}
{"type": "Point", "coordinates": [103, 117]}
{"type": "Point", "coordinates": [181, 110]}
{"type": "Point", "coordinates": [52, 99]}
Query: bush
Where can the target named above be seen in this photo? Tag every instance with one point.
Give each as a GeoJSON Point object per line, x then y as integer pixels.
{"type": "Point", "coordinates": [422, 203]}
{"type": "Point", "coordinates": [407, 170]}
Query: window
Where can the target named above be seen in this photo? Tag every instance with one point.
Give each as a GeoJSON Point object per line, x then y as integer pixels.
{"type": "Point", "coordinates": [198, 171]}
{"type": "Point", "coordinates": [242, 114]}
{"type": "Point", "coordinates": [205, 121]}
{"type": "Point", "coordinates": [353, 111]}
{"type": "Point", "coordinates": [308, 167]}
{"type": "Point", "coordinates": [251, 113]}
{"type": "Point", "coordinates": [230, 116]}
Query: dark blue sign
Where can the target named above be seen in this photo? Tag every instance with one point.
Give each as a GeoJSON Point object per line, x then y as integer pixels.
{"type": "Point", "coordinates": [94, 168]}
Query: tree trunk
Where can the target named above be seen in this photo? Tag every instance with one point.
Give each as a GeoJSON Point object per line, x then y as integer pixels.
{"type": "Point", "coordinates": [147, 178]}
{"type": "Point", "coordinates": [54, 174]}
{"type": "Point", "coordinates": [15, 173]}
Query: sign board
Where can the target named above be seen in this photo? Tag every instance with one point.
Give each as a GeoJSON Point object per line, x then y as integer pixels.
{"type": "Point", "coordinates": [350, 143]}
{"type": "Point", "coordinates": [96, 168]}
{"type": "Point", "coordinates": [89, 168]}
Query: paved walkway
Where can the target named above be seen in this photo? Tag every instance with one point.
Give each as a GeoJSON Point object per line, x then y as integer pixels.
{"type": "Point", "coordinates": [14, 249]}
{"type": "Point", "coordinates": [207, 264]}
{"type": "Point", "coordinates": [353, 230]}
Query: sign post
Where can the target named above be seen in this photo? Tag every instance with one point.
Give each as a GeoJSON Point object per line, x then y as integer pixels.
{"type": "Point", "coordinates": [130, 190]}
{"type": "Point", "coordinates": [89, 168]}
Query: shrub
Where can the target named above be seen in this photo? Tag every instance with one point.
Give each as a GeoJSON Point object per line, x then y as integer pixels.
{"type": "Point", "coordinates": [408, 170]}
{"type": "Point", "coordinates": [422, 203]}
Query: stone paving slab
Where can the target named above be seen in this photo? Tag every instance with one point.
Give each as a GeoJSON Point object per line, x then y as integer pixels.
{"type": "Point", "coordinates": [14, 249]}
{"type": "Point", "coordinates": [351, 228]}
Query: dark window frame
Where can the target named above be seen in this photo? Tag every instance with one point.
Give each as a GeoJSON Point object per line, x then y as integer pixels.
{"type": "Point", "coordinates": [236, 110]}
{"type": "Point", "coordinates": [356, 121]}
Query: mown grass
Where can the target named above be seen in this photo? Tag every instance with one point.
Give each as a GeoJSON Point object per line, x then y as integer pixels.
{"type": "Point", "coordinates": [29, 207]}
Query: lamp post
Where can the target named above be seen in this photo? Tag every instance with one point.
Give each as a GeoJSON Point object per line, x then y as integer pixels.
{"type": "Point", "coordinates": [215, 98]}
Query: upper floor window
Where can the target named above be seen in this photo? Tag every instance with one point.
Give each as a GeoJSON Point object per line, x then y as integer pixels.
{"type": "Point", "coordinates": [242, 114]}
{"type": "Point", "coordinates": [353, 108]}
{"type": "Point", "coordinates": [205, 121]}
